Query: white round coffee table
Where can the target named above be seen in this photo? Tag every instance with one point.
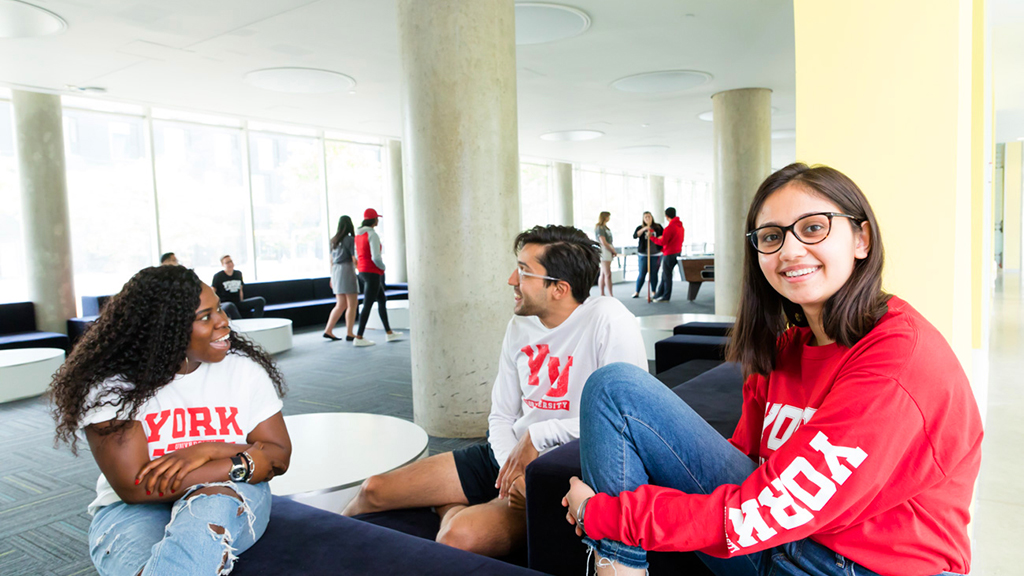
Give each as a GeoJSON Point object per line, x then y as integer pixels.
{"type": "Point", "coordinates": [26, 372]}
{"type": "Point", "coordinates": [273, 334]}
{"type": "Point", "coordinates": [333, 452]}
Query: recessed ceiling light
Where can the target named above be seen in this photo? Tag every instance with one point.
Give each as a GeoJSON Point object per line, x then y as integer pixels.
{"type": "Point", "coordinates": [783, 134]}
{"type": "Point", "coordinates": [91, 89]}
{"type": "Point", "coordinates": [644, 149]}
{"type": "Point", "coordinates": [663, 81]}
{"type": "Point", "coordinates": [571, 135]}
{"type": "Point", "coordinates": [23, 20]}
{"type": "Point", "coordinates": [300, 80]}
{"type": "Point", "coordinates": [709, 116]}
{"type": "Point", "coordinates": [539, 22]}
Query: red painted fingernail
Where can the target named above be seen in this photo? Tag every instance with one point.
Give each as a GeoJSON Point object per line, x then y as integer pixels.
{"type": "Point", "coordinates": [172, 491]}
{"type": "Point", "coordinates": [161, 494]}
{"type": "Point", "coordinates": [148, 493]}
{"type": "Point", "coordinates": [136, 481]}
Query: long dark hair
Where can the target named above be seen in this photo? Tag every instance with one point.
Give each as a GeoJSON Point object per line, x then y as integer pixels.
{"type": "Point", "coordinates": [847, 316]}
{"type": "Point", "coordinates": [140, 338]}
{"type": "Point", "coordinates": [345, 228]}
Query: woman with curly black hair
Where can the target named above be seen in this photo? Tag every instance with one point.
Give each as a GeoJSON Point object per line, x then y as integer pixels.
{"type": "Point", "coordinates": [184, 419]}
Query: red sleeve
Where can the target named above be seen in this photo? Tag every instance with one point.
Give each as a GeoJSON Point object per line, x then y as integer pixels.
{"type": "Point", "coordinates": [659, 241]}
{"type": "Point", "coordinates": [832, 468]}
{"type": "Point", "coordinates": [747, 436]}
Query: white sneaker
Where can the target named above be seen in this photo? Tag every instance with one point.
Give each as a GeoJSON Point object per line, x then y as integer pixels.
{"type": "Point", "coordinates": [360, 342]}
{"type": "Point", "coordinates": [395, 336]}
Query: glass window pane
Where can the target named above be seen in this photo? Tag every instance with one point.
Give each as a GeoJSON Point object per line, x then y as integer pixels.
{"type": "Point", "coordinates": [589, 196]}
{"type": "Point", "coordinates": [203, 200]}
{"type": "Point", "coordinates": [110, 199]}
{"type": "Point", "coordinates": [288, 207]}
{"type": "Point", "coordinates": [355, 180]}
{"type": "Point", "coordinates": [534, 195]}
{"type": "Point", "coordinates": [13, 281]}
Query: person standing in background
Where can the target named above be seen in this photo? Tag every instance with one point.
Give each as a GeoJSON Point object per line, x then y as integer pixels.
{"type": "Point", "coordinates": [671, 245]}
{"type": "Point", "coordinates": [228, 285]}
{"type": "Point", "coordinates": [371, 272]}
{"type": "Point", "coordinates": [642, 231]}
{"type": "Point", "coordinates": [168, 259]}
{"type": "Point", "coordinates": [603, 235]}
{"type": "Point", "coordinates": [343, 279]}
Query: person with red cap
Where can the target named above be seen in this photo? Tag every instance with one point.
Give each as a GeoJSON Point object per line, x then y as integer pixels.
{"type": "Point", "coordinates": [371, 274]}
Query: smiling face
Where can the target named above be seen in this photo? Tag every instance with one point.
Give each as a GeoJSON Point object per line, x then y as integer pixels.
{"type": "Point", "coordinates": [210, 330]}
{"type": "Point", "coordinates": [648, 219]}
{"type": "Point", "coordinates": [808, 275]}
{"type": "Point", "coordinates": [531, 295]}
{"type": "Point", "coordinates": [228, 264]}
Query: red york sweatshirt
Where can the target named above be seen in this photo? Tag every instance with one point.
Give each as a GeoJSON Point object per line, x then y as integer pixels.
{"type": "Point", "coordinates": [871, 451]}
{"type": "Point", "coordinates": [671, 241]}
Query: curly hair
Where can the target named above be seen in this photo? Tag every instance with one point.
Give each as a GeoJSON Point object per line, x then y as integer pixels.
{"type": "Point", "coordinates": [140, 338]}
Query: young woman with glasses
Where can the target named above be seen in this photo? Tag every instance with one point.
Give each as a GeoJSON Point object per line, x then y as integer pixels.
{"type": "Point", "coordinates": [860, 438]}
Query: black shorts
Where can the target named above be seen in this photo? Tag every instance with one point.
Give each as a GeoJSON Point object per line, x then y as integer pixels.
{"type": "Point", "coordinates": [478, 471]}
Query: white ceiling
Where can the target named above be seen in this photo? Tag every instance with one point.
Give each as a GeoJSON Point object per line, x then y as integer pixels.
{"type": "Point", "coordinates": [193, 54]}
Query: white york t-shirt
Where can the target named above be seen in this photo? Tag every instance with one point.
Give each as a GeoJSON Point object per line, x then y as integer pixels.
{"type": "Point", "coordinates": [219, 402]}
{"type": "Point", "coordinates": [542, 372]}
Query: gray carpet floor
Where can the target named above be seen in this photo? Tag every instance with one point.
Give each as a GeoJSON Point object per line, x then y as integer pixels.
{"type": "Point", "coordinates": [44, 490]}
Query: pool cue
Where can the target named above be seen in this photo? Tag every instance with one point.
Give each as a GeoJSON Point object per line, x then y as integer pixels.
{"type": "Point", "coordinates": [648, 265]}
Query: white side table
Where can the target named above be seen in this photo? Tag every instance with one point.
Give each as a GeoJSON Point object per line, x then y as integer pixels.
{"type": "Point", "coordinates": [26, 372]}
{"type": "Point", "coordinates": [273, 334]}
{"type": "Point", "coordinates": [333, 452]}
{"type": "Point", "coordinates": [398, 316]}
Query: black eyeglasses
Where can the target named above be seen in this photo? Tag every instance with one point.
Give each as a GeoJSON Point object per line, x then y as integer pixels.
{"type": "Point", "coordinates": [810, 229]}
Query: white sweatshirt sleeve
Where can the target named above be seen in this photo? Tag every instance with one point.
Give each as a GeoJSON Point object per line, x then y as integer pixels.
{"type": "Point", "coordinates": [550, 433]}
{"type": "Point", "coordinates": [375, 250]}
{"type": "Point", "coordinates": [506, 407]}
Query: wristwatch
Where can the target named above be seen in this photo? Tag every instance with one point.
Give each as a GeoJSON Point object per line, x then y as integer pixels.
{"type": "Point", "coordinates": [239, 469]}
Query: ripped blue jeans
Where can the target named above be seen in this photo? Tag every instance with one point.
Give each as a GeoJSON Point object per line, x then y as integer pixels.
{"type": "Point", "coordinates": [180, 538]}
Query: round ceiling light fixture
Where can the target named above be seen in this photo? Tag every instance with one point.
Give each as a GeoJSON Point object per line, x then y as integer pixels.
{"type": "Point", "coordinates": [644, 149]}
{"type": "Point", "coordinates": [664, 81]}
{"type": "Point", "coordinates": [571, 135]}
{"type": "Point", "coordinates": [539, 22]}
{"type": "Point", "coordinates": [783, 134]}
{"type": "Point", "coordinates": [709, 116]}
{"type": "Point", "coordinates": [300, 80]}
{"type": "Point", "coordinates": [23, 20]}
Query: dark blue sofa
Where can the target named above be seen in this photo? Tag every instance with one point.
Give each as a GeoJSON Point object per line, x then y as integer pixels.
{"type": "Point", "coordinates": [553, 547]}
{"type": "Point", "coordinates": [311, 542]}
{"type": "Point", "coordinates": [18, 329]}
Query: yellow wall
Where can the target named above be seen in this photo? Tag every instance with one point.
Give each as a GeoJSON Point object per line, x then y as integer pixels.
{"type": "Point", "coordinates": [1011, 206]}
{"type": "Point", "coordinates": [883, 92]}
{"type": "Point", "coordinates": [979, 173]}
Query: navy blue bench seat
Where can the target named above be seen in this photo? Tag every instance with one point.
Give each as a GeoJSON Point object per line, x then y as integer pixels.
{"type": "Point", "coordinates": [704, 328]}
{"type": "Point", "coordinates": [681, 348]}
{"type": "Point", "coordinates": [18, 329]}
{"type": "Point", "coordinates": [309, 541]}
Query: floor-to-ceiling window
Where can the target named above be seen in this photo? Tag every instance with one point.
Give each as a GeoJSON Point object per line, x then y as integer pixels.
{"type": "Point", "coordinates": [203, 195]}
{"type": "Point", "coordinates": [535, 191]}
{"type": "Point", "coordinates": [355, 180]}
{"type": "Point", "coordinates": [110, 198]}
{"type": "Point", "coordinates": [13, 285]}
{"type": "Point", "coordinates": [695, 208]}
{"type": "Point", "coordinates": [288, 206]}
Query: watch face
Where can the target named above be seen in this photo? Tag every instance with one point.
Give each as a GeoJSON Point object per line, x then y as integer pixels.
{"type": "Point", "coordinates": [237, 471]}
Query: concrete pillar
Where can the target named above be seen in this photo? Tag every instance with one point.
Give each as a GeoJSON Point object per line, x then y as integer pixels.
{"type": "Point", "coordinates": [743, 159]}
{"type": "Point", "coordinates": [394, 212]}
{"type": "Point", "coordinates": [562, 212]}
{"type": "Point", "coordinates": [462, 180]}
{"type": "Point", "coordinates": [656, 199]}
{"type": "Point", "coordinates": [39, 140]}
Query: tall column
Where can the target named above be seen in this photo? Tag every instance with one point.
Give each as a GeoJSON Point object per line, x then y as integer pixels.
{"type": "Point", "coordinates": [743, 159]}
{"type": "Point", "coordinates": [923, 118]}
{"type": "Point", "coordinates": [39, 140]}
{"type": "Point", "coordinates": [656, 197]}
{"type": "Point", "coordinates": [394, 210]}
{"type": "Point", "coordinates": [462, 160]}
{"type": "Point", "coordinates": [563, 201]}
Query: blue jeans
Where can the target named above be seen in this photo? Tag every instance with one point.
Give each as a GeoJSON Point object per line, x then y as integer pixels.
{"type": "Point", "coordinates": [178, 538]}
{"type": "Point", "coordinates": [635, 431]}
{"type": "Point", "coordinates": [668, 266]}
{"type": "Point", "coordinates": [655, 260]}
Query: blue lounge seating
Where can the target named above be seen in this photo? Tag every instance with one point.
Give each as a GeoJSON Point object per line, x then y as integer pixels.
{"type": "Point", "coordinates": [18, 329]}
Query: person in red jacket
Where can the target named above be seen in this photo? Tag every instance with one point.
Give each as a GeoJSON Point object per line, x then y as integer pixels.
{"type": "Point", "coordinates": [860, 438]}
{"type": "Point", "coordinates": [371, 275]}
{"type": "Point", "coordinates": [671, 243]}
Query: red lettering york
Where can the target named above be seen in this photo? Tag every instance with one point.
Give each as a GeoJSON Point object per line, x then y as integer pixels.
{"type": "Point", "coordinates": [200, 417]}
{"type": "Point", "coordinates": [535, 362]}
{"type": "Point", "coordinates": [155, 422]}
{"type": "Point", "coordinates": [559, 382]}
{"type": "Point", "coordinates": [226, 419]}
{"type": "Point", "coordinates": [178, 421]}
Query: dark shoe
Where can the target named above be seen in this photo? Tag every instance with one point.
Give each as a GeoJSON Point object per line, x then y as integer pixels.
{"type": "Point", "coordinates": [331, 337]}
{"type": "Point", "coordinates": [349, 338]}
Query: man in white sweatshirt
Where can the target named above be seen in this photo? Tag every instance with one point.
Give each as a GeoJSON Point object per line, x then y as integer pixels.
{"type": "Point", "coordinates": [557, 338]}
